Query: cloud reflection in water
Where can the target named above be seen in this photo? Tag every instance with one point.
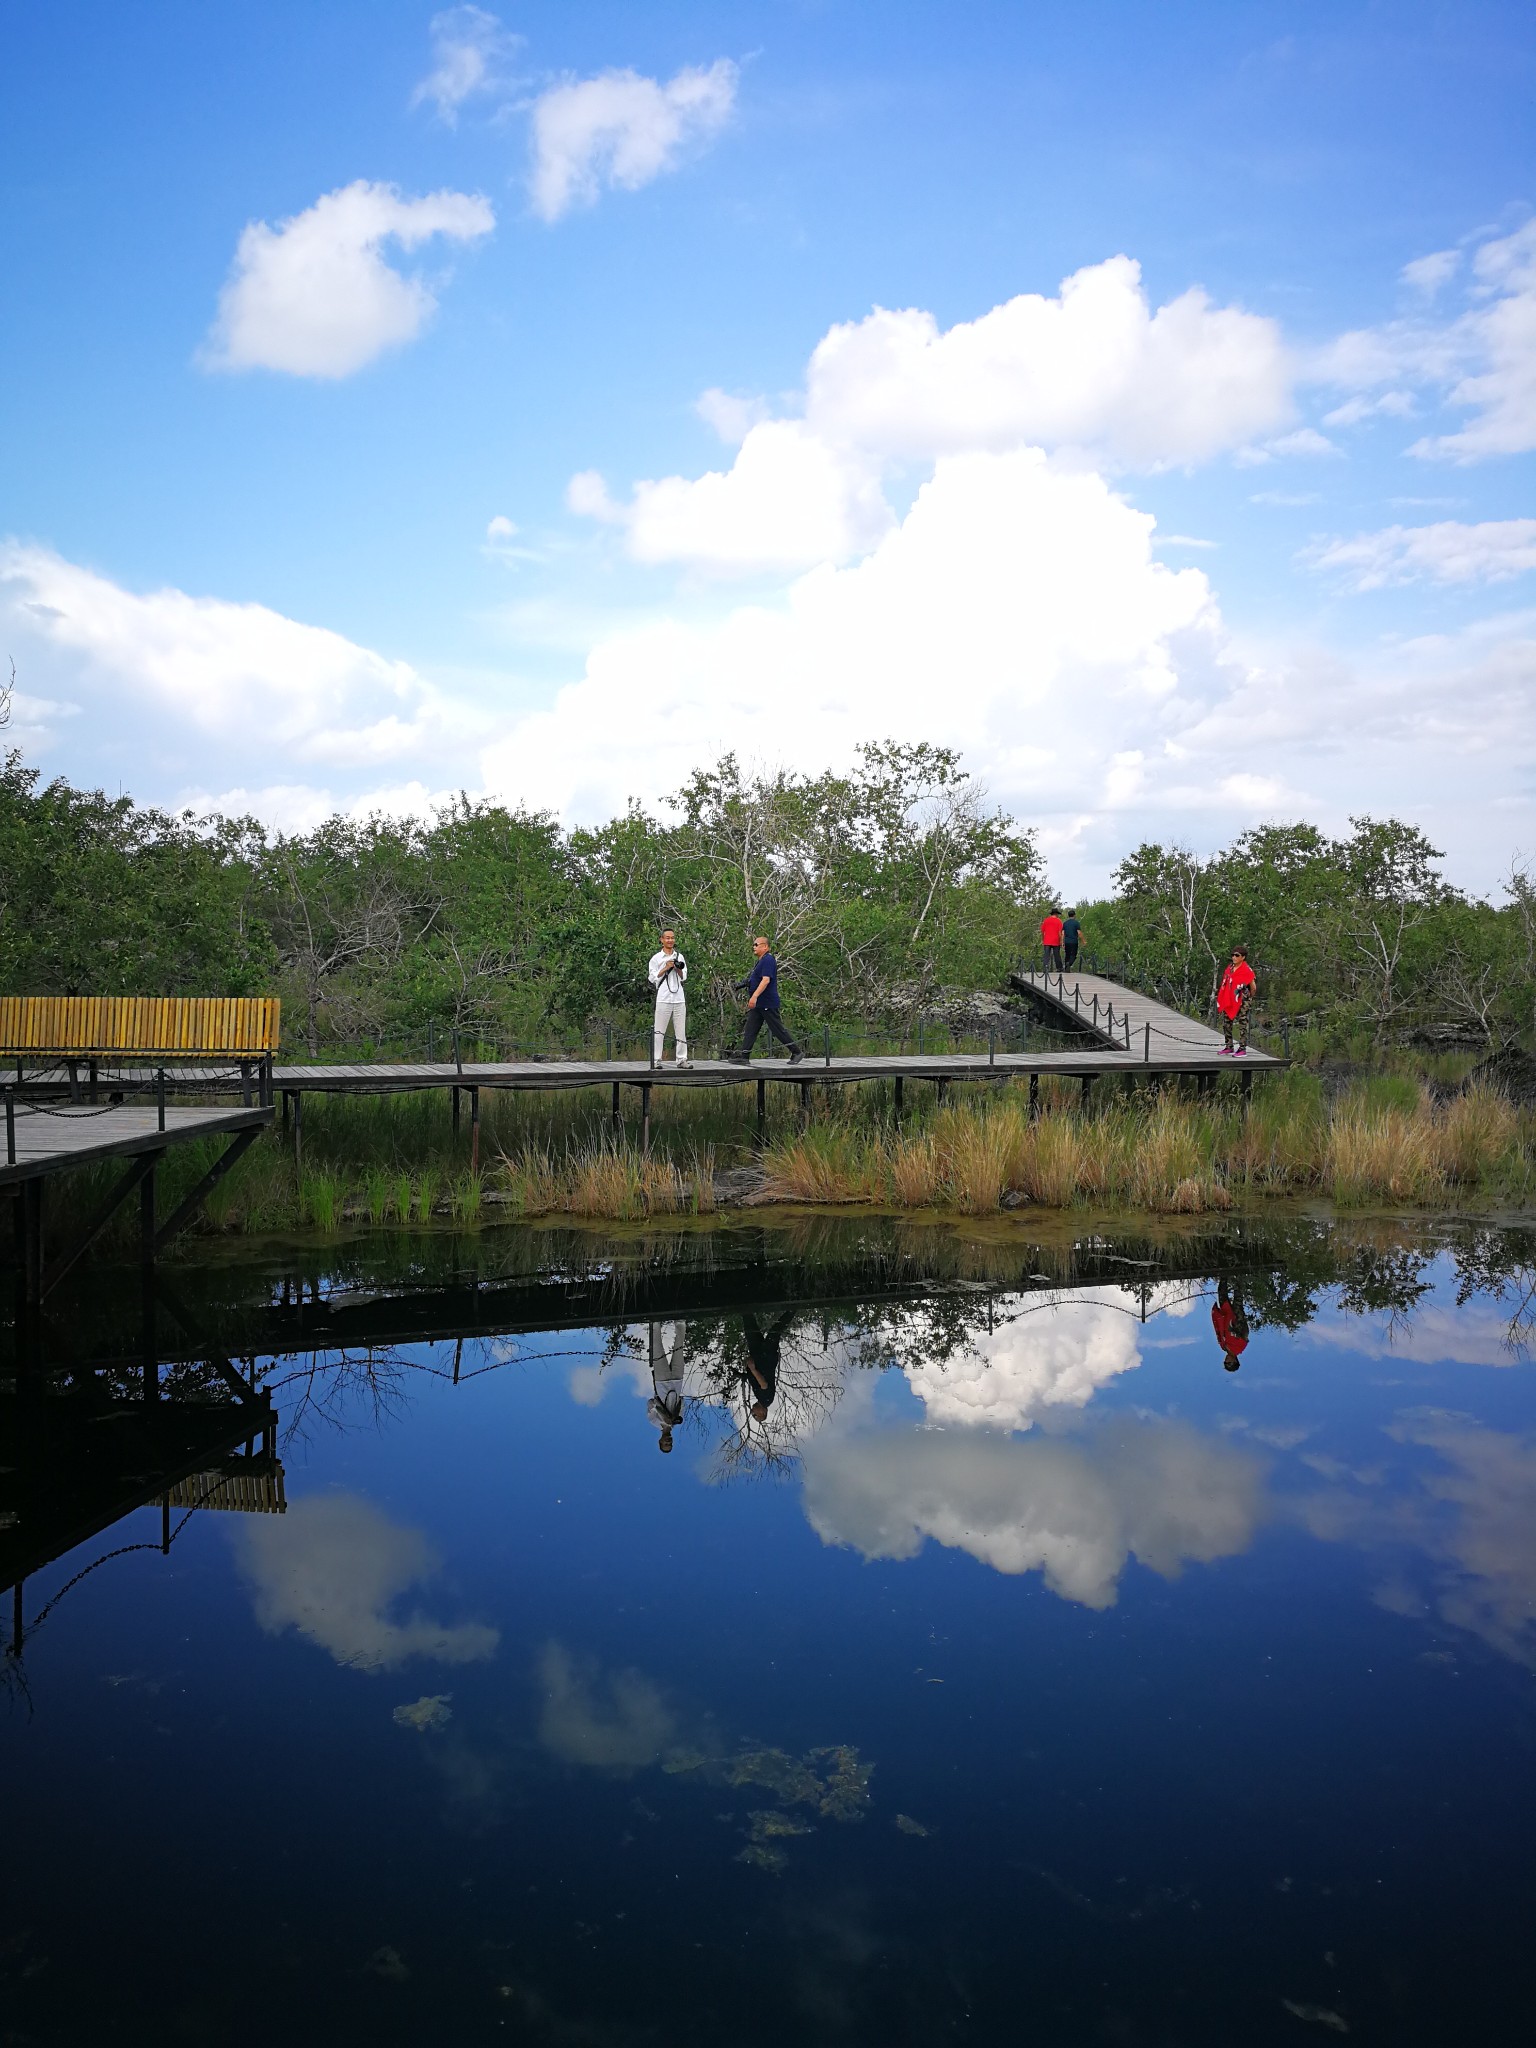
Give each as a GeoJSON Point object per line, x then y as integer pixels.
{"type": "Point", "coordinates": [332, 1567]}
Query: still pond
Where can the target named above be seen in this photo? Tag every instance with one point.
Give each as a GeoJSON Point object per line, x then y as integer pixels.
{"type": "Point", "coordinates": [827, 1631]}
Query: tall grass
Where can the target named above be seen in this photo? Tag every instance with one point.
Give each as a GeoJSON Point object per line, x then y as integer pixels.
{"type": "Point", "coordinates": [1379, 1144]}
{"type": "Point", "coordinates": [395, 1161]}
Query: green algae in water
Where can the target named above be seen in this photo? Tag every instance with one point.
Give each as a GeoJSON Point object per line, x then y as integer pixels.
{"type": "Point", "coordinates": [847, 1788]}
{"type": "Point", "coordinates": [909, 1826]}
{"type": "Point", "coordinates": [427, 1714]}
{"type": "Point", "coordinates": [770, 1824]}
{"type": "Point", "coordinates": [762, 1856]}
{"type": "Point", "coordinates": [792, 1781]}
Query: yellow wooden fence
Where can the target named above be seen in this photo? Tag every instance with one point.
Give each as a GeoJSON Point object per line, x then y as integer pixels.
{"type": "Point", "coordinates": [88, 1026]}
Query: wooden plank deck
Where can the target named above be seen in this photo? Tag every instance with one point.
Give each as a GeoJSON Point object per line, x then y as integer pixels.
{"type": "Point", "coordinates": [49, 1140]}
{"type": "Point", "coordinates": [1161, 1035]}
{"type": "Point", "coordinates": [1090, 1062]}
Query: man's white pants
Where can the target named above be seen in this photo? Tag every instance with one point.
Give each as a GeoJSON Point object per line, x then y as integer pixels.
{"type": "Point", "coordinates": [672, 1010]}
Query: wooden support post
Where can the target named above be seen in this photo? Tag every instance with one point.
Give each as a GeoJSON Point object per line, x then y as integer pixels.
{"type": "Point", "coordinates": [762, 1104]}
{"type": "Point", "coordinates": [618, 1114]}
{"type": "Point", "coordinates": [645, 1116]}
{"type": "Point", "coordinates": [1245, 1090]}
{"type": "Point", "coordinates": [805, 1102]}
{"type": "Point", "coordinates": [901, 1093]}
{"type": "Point", "coordinates": [287, 1111]}
{"type": "Point", "coordinates": [94, 1073]}
{"type": "Point", "coordinates": [192, 1202]}
{"type": "Point", "coordinates": [147, 1218]}
{"type": "Point", "coordinates": [1087, 1091]}
{"type": "Point", "coordinates": [455, 1112]}
{"type": "Point", "coordinates": [298, 1131]}
{"type": "Point", "coordinates": [245, 1084]}
{"type": "Point", "coordinates": [31, 1200]}
{"type": "Point", "coordinates": [942, 1089]}
{"type": "Point", "coordinates": [474, 1130]}
{"type": "Point", "coordinates": [74, 1080]}
{"type": "Point", "coordinates": [1034, 1097]}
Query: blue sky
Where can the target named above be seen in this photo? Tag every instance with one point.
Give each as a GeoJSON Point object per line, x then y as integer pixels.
{"type": "Point", "coordinates": [342, 510]}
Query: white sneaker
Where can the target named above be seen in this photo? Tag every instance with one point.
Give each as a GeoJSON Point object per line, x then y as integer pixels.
{"type": "Point", "coordinates": [682, 1065]}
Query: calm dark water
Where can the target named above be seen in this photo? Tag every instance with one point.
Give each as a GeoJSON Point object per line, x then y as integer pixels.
{"type": "Point", "coordinates": [1022, 1674]}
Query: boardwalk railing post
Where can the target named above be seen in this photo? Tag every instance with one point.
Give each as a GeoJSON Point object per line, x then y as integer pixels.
{"type": "Point", "coordinates": [10, 1128]}
{"type": "Point", "coordinates": [474, 1130]}
{"type": "Point", "coordinates": [1285, 1035]}
{"type": "Point", "coordinates": [992, 1045]}
{"type": "Point", "coordinates": [458, 1057]}
{"type": "Point", "coordinates": [1146, 1044]}
{"type": "Point", "coordinates": [431, 1041]}
{"type": "Point", "coordinates": [160, 1095]}
{"type": "Point", "coordinates": [826, 1044]}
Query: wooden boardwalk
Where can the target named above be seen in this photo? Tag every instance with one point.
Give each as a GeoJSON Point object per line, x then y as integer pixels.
{"type": "Point", "coordinates": [47, 1140]}
{"type": "Point", "coordinates": [1124, 1019]}
{"type": "Point", "coordinates": [43, 1141]}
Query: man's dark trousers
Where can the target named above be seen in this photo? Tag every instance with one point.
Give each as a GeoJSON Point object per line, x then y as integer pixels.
{"type": "Point", "coordinates": [1069, 956]}
{"type": "Point", "coordinates": [757, 1017]}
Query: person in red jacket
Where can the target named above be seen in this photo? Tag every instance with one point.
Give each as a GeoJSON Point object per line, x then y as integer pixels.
{"type": "Point", "coordinates": [1231, 1326]}
{"type": "Point", "coordinates": [1050, 938]}
{"type": "Point", "coordinates": [1238, 985]}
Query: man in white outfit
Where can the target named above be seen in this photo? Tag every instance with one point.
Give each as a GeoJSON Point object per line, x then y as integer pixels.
{"type": "Point", "coordinates": [668, 971]}
{"type": "Point", "coordinates": [665, 1406]}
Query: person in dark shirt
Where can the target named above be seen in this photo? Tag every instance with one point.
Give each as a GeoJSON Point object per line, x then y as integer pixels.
{"type": "Point", "coordinates": [1230, 1323]}
{"type": "Point", "coordinates": [762, 1373]}
{"type": "Point", "coordinates": [1071, 937]}
{"type": "Point", "coordinates": [761, 982]}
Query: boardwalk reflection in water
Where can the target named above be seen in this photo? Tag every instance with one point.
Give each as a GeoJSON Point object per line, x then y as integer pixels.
{"type": "Point", "coordinates": [982, 1645]}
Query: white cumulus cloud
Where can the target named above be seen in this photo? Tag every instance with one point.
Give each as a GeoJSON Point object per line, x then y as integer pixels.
{"type": "Point", "coordinates": [1094, 368]}
{"type": "Point", "coordinates": [468, 49]}
{"type": "Point", "coordinates": [1450, 551]}
{"type": "Point", "coordinates": [315, 297]}
{"type": "Point", "coordinates": [1056, 1358]}
{"type": "Point", "coordinates": [621, 129]}
{"type": "Point", "coordinates": [1094, 371]}
{"type": "Point", "coordinates": [335, 1569]}
{"type": "Point", "coordinates": [1075, 1511]}
{"type": "Point", "coordinates": [222, 668]}
{"type": "Point", "coordinates": [1011, 591]}
{"type": "Point", "coordinates": [1480, 361]}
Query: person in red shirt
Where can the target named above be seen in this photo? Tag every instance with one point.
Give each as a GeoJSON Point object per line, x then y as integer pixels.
{"type": "Point", "coordinates": [1050, 937]}
{"type": "Point", "coordinates": [1231, 1326]}
{"type": "Point", "coordinates": [1238, 985]}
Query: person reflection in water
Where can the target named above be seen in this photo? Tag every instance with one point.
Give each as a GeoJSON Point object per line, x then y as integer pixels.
{"type": "Point", "coordinates": [762, 1374]}
{"type": "Point", "coordinates": [665, 1407]}
{"type": "Point", "coordinates": [1230, 1324]}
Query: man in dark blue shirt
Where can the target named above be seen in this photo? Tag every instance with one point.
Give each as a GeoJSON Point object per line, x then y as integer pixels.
{"type": "Point", "coordinates": [762, 983]}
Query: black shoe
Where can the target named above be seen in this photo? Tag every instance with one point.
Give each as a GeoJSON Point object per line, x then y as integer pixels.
{"type": "Point", "coordinates": [796, 1056]}
{"type": "Point", "coordinates": [737, 1059]}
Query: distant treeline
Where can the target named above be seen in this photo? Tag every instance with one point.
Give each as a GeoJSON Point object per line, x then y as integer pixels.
{"type": "Point", "coordinates": [884, 890]}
